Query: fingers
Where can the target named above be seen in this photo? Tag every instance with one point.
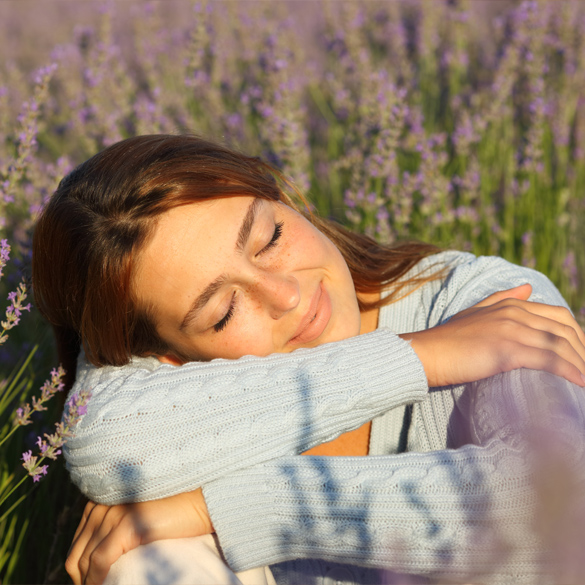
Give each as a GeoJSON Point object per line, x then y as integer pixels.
{"type": "Point", "coordinates": [86, 562]}
{"type": "Point", "coordinates": [102, 551]}
{"type": "Point", "coordinates": [539, 316]}
{"type": "Point", "coordinates": [107, 532]}
{"type": "Point", "coordinates": [521, 292]}
{"type": "Point", "coordinates": [82, 535]}
{"type": "Point", "coordinates": [501, 334]}
{"type": "Point", "coordinates": [549, 361]}
{"type": "Point", "coordinates": [91, 562]}
{"type": "Point", "coordinates": [86, 513]}
{"type": "Point", "coordinates": [536, 336]}
{"type": "Point", "coordinates": [563, 315]}
{"type": "Point", "coordinates": [556, 320]}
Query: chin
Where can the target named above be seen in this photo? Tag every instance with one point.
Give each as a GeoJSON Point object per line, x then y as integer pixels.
{"type": "Point", "coordinates": [349, 328]}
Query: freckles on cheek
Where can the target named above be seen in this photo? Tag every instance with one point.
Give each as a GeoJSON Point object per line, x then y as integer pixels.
{"type": "Point", "coordinates": [248, 338]}
{"type": "Point", "coordinates": [225, 348]}
{"type": "Point", "coordinates": [302, 243]}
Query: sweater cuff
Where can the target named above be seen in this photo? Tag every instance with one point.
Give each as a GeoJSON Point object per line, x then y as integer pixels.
{"type": "Point", "coordinates": [392, 373]}
{"type": "Point", "coordinates": [245, 519]}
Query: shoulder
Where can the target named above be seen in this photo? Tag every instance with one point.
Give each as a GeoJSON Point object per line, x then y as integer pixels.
{"type": "Point", "coordinates": [475, 278]}
{"type": "Point", "coordinates": [463, 265]}
{"type": "Point", "coordinates": [467, 280]}
{"type": "Point", "coordinates": [411, 311]}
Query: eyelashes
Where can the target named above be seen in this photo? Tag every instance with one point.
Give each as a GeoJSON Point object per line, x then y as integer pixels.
{"type": "Point", "coordinates": [275, 237]}
{"type": "Point", "coordinates": [221, 325]}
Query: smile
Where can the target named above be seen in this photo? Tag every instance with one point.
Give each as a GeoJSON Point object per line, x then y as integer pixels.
{"type": "Point", "coordinates": [314, 322]}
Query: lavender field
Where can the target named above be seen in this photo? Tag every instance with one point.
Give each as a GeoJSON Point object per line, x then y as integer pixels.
{"type": "Point", "coordinates": [460, 123]}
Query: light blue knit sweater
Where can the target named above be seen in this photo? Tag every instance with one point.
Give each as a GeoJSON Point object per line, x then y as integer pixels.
{"type": "Point", "coordinates": [445, 508]}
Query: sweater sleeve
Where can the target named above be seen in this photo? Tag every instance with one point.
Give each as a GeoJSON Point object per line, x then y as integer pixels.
{"type": "Point", "coordinates": [454, 514]}
{"type": "Point", "coordinates": [154, 430]}
{"type": "Point", "coordinates": [466, 514]}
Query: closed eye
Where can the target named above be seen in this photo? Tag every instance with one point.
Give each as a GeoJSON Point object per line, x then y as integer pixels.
{"type": "Point", "coordinates": [221, 324]}
{"type": "Point", "coordinates": [275, 237]}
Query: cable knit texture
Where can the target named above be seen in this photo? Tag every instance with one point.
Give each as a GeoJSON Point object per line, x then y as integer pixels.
{"type": "Point", "coordinates": [459, 504]}
{"type": "Point", "coordinates": [155, 430]}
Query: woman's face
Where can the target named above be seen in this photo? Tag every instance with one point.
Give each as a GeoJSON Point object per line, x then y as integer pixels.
{"type": "Point", "coordinates": [243, 276]}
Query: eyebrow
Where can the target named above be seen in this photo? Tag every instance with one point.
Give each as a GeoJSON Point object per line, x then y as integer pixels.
{"type": "Point", "coordinates": [247, 224]}
{"type": "Point", "coordinates": [213, 287]}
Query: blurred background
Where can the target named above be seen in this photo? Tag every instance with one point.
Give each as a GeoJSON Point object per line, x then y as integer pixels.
{"type": "Point", "coordinates": [461, 123]}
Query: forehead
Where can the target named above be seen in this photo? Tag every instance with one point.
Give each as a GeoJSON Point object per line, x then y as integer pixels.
{"type": "Point", "coordinates": [200, 224]}
{"type": "Point", "coordinates": [188, 247]}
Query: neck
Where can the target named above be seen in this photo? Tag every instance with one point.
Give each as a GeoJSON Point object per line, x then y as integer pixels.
{"type": "Point", "coordinates": [369, 319]}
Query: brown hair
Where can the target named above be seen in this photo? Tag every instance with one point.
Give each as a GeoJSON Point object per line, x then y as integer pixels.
{"type": "Point", "coordinates": [88, 236]}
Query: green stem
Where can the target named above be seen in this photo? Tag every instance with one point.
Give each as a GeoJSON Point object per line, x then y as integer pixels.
{"type": "Point", "coordinates": [17, 376]}
{"type": "Point", "coordinates": [14, 489]}
{"type": "Point", "coordinates": [8, 435]}
{"type": "Point", "coordinates": [6, 514]}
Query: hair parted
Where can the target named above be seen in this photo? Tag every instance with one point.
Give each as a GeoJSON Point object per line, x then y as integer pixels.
{"type": "Point", "coordinates": [90, 233]}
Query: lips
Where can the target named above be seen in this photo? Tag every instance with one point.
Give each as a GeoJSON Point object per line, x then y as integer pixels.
{"type": "Point", "coordinates": [316, 318]}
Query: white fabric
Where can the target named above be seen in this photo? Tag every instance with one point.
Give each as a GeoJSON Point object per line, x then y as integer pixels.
{"type": "Point", "coordinates": [181, 561]}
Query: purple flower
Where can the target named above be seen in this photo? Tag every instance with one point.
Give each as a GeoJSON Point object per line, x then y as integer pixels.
{"type": "Point", "coordinates": [44, 73]}
{"type": "Point", "coordinates": [48, 390]}
{"type": "Point", "coordinates": [75, 408]}
{"type": "Point", "coordinates": [23, 415]}
{"type": "Point", "coordinates": [50, 447]}
{"type": "Point", "coordinates": [14, 310]}
{"type": "Point", "coordinates": [42, 470]}
{"type": "Point", "coordinates": [4, 254]}
{"type": "Point", "coordinates": [382, 214]}
{"type": "Point", "coordinates": [42, 445]}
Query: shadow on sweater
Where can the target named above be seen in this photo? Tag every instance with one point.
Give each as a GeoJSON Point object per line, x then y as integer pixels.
{"type": "Point", "coordinates": [530, 427]}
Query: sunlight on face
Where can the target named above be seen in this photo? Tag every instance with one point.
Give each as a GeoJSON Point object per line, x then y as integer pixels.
{"type": "Point", "coordinates": [244, 276]}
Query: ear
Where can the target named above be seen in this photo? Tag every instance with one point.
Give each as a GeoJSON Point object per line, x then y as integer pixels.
{"type": "Point", "coordinates": [169, 358]}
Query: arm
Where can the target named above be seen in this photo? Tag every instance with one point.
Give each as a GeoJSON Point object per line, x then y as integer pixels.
{"type": "Point", "coordinates": [437, 298]}
{"type": "Point", "coordinates": [217, 417]}
{"type": "Point", "coordinates": [152, 433]}
{"type": "Point", "coordinates": [463, 514]}
{"type": "Point", "coordinates": [444, 513]}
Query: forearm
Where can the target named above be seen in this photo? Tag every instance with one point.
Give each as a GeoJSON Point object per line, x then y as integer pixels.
{"type": "Point", "coordinates": [376, 514]}
{"type": "Point", "coordinates": [446, 514]}
{"type": "Point", "coordinates": [156, 433]}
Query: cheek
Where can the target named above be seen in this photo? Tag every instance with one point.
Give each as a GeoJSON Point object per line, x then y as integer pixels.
{"type": "Point", "coordinates": [248, 335]}
{"type": "Point", "coordinates": [307, 246]}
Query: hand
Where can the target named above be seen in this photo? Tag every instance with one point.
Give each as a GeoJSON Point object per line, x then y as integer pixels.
{"type": "Point", "coordinates": [503, 332]}
{"type": "Point", "coordinates": [105, 533]}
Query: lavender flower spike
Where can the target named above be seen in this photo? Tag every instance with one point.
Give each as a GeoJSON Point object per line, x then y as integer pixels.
{"type": "Point", "coordinates": [32, 466]}
{"type": "Point", "coordinates": [4, 255]}
{"type": "Point", "coordinates": [48, 390]}
{"type": "Point", "coordinates": [23, 416]}
{"type": "Point", "coordinates": [14, 310]}
{"type": "Point", "coordinates": [75, 408]}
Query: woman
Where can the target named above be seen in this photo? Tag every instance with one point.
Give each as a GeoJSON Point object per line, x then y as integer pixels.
{"type": "Point", "coordinates": [176, 249]}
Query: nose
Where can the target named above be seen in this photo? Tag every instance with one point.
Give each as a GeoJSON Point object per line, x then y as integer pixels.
{"type": "Point", "coordinates": [279, 293]}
